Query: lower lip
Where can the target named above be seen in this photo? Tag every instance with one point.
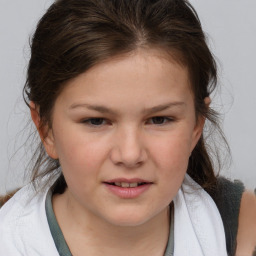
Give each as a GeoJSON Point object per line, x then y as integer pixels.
{"type": "Point", "coordinates": [128, 193]}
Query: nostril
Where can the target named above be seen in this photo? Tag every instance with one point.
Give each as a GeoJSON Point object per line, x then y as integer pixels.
{"type": "Point", "coordinates": [130, 157]}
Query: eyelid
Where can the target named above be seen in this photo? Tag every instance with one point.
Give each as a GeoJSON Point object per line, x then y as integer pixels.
{"type": "Point", "coordinates": [167, 120]}
{"type": "Point", "coordinates": [88, 120]}
{"type": "Point", "coordinates": [105, 121]}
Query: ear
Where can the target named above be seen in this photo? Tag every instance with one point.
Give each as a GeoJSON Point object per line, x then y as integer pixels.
{"type": "Point", "coordinates": [199, 125]}
{"type": "Point", "coordinates": [45, 133]}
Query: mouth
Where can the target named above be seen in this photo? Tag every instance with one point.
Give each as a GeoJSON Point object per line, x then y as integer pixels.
{"type": "Point", "coordinates": [128, 189]}
{"type": "Point", "coordinates": [127, 184]}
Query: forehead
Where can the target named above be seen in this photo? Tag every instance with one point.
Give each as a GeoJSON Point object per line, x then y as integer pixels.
{"type": "Point", "coordinates": [141, 76]}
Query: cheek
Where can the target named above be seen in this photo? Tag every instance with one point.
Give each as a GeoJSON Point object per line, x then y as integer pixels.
{"type": "Point", "coordinates": [173, 151]}
{"type": "Point", "coordinates": [171, 160]}
{"type": "Point", "coordinates": [81, 163]}
{"type": "Point", "coordinates": [80, 155]}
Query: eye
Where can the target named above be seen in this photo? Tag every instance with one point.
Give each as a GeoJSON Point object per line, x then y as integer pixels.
{"type": "Point", "coordinates": [160, 120]}
{"type": "Point", "coordinates": [95, 121]}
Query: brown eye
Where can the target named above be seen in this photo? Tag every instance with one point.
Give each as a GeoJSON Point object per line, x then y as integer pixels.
{"type": "Point", "coordinates": [95, 121]}
{"type": "Point", "coordinates": [160, 120]}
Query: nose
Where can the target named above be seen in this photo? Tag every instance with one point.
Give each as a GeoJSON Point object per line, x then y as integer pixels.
{"type": "Point", "coordinates": [128, 149]}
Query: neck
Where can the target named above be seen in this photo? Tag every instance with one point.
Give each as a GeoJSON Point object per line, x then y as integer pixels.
{"type": "Point", "coordinates": [87, 234]}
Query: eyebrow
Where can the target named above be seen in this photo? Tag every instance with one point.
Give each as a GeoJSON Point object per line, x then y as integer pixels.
{"type": "Point", "coordinates": [105, 110]}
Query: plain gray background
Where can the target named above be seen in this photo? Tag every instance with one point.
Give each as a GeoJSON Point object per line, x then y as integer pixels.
{"type": "Point", "coordinates": [231, 29]}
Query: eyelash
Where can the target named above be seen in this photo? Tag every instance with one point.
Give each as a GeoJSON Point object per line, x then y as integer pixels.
{"type": "Point", "coordinates": [89, 121]}
{"type": "Point", "coordinates": [103, 121]}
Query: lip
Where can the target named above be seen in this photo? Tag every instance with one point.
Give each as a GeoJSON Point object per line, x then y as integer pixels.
{"type": "Point", "coordinates": [133, 180]}
{"type": "Point", "coordinates": [130, 192]}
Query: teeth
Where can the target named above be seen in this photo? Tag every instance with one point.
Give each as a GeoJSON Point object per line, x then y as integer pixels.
{"type": "Point", "coordinates": [126, 185]}
{"type": "Point", "coordinates": [133, 185]}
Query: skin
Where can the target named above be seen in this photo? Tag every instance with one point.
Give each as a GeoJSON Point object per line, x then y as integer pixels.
{"type": "Point", "coordinates": [246, 235]}
{"type": "Point", "coordinates": [126, 143]}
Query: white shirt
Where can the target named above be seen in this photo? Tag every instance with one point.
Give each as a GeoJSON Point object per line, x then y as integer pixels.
{"type": "Point", "coordinates": [24, 228]}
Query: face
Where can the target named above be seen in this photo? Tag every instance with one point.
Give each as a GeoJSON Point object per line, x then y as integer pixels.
{"type": "Point", "coordinates": [123, 133]}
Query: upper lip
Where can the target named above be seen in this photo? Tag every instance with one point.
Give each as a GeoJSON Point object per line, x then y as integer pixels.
{"type": "Point", "coordinates": [133, 180]}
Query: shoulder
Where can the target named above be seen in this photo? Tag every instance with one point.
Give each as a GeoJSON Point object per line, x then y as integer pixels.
{"type": "Point", "coordinates": [15, 214]}
{"type": "Point", "coordinates": [10, 220]}
{"type": "Point", "coordinates": [238, 211]}
{"type": "Point", "coordinates": [23, 224]}
{"type": "Point", "coordinates": [227, 196]}
{"type": "Point", "coordinates": [246, 236]}
{"type": "Point", "coordinates": [4, 199]}
{"type": "Point", "coordinates": [14, 207]}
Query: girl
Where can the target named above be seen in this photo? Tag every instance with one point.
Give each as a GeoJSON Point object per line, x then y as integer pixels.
{"type": "Point", "coordinates": [119, 92]}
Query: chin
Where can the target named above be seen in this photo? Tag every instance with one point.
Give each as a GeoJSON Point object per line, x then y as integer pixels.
{"type": "Point", "coordinates": [130, 218]}
{"type": "Point", "coordinates": [128, 222]}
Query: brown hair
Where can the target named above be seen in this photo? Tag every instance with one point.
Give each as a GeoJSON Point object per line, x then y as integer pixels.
{"type": "Point", "coordinates": [74, 35]}
{"type": "Point", "coordinates": [4, 199]}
